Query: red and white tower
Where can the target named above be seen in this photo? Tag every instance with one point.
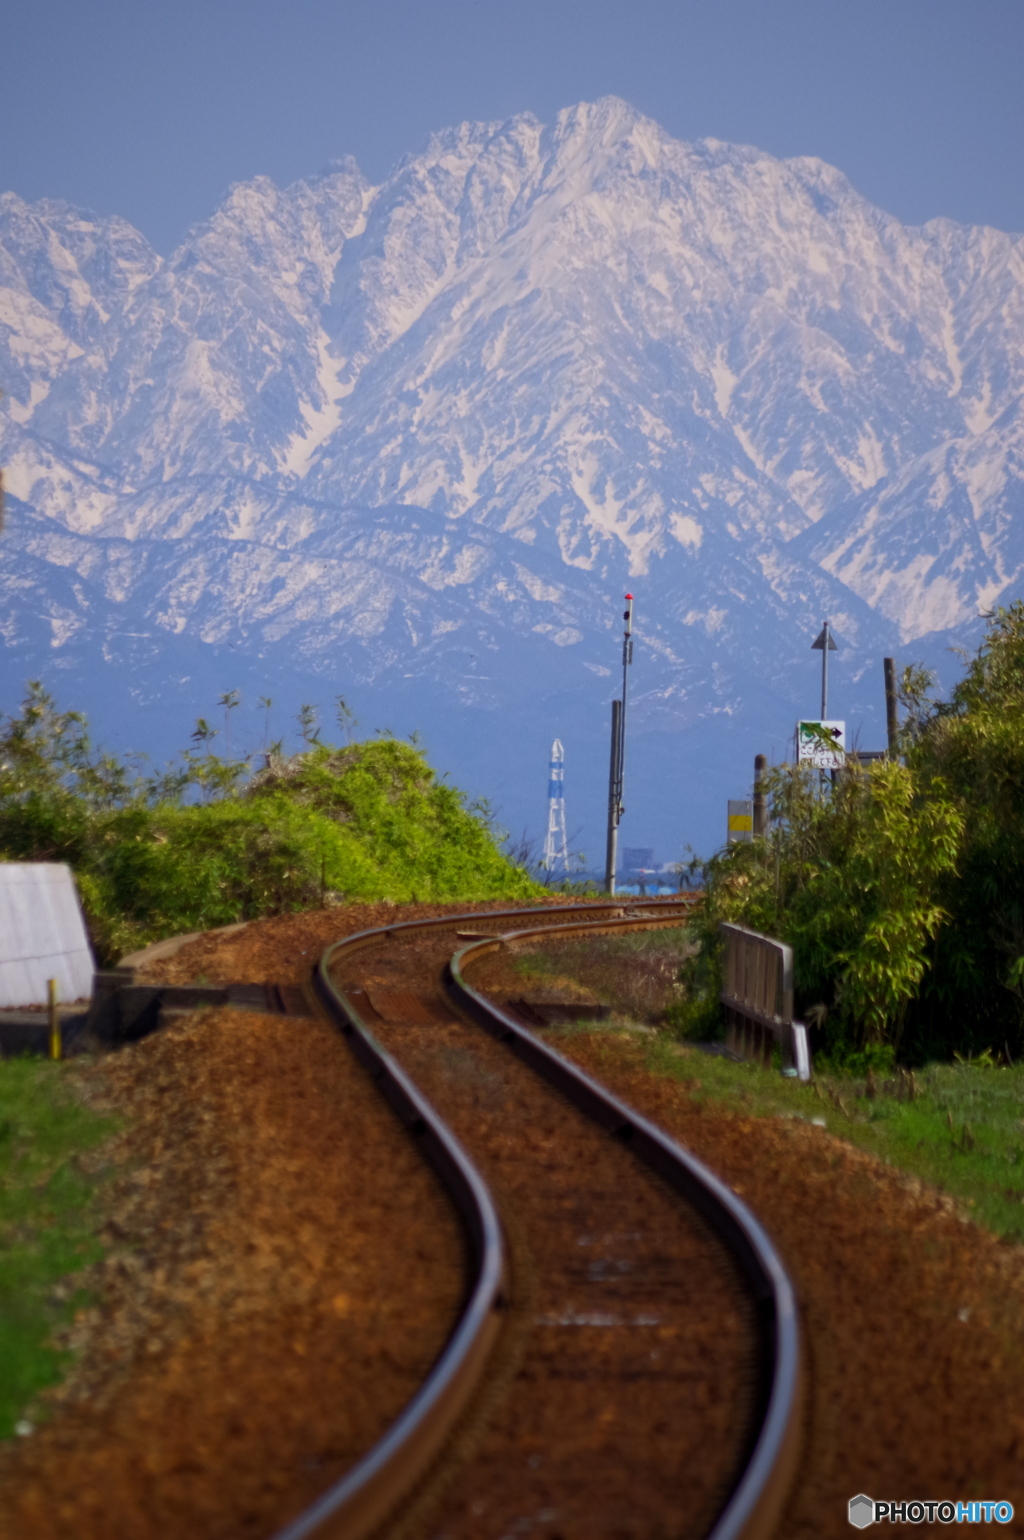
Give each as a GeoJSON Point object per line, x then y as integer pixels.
{"type": "Point", "coordinates": [556, 851]}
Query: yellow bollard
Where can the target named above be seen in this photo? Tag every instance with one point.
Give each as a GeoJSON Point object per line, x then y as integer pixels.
{"type": "Point", "coordinates": [56, 1046]}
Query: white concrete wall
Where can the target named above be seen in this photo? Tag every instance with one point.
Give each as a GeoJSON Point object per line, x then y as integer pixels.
{"type": "Point", "coordinates": [42, 935]}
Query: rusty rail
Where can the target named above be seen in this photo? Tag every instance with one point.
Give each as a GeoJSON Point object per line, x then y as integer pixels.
{"type": "Point", "coordinates": [361, 1501]}
{"type": "Point", "coordinates": [356, 1505]}
{"type": "Point", "coordinates": [754, 1506]}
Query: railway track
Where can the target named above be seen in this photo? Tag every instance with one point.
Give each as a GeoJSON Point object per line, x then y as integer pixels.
{"type": "Point", "coordinates": [640, 1327]}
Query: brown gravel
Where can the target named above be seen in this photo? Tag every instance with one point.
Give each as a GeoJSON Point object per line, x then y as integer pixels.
{"type": "Point", "coordinates": [629, 1409]}
{"type": "Point", "coordinates": [914, 1315]}
{"type": "Point", "coordinates": [282, 950]}
{"type": "Point", "coordinates": [285, 1269]}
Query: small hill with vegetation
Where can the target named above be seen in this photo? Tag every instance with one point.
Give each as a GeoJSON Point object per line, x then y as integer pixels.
{"type": "Point", "coordinates": [211, 842]}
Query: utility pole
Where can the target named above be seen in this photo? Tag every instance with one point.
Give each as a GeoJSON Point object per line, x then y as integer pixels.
{"type": "Point", "coordinates": [892, 723]}
{"type": "Point", "coordinates": [617, 766]}
{"type": "Point", "coordinates": [824, 644]}
{"type": "Point", "coordinates": [614, 803]}
{"type": "Point", "coordinates": [760, 819]}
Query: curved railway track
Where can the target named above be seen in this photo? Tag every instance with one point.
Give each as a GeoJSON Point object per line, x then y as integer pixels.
{"type": "Point", "coordinates": [661, 1334]}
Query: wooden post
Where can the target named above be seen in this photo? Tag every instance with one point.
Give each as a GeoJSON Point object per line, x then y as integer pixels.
{"type": "Point", "coordinates": [891, 720]}
{"type": "Point", "coordinates": [56, 1046]}
{"type": "Point", "coordinates": [760, 816]}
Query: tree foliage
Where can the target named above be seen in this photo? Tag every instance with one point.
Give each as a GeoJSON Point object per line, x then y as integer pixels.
{"type": "Point", "coordinates": [901, 887]}
{"type": "Point", "coordinates": [851, 880]}
{"type": "Point", "coordinates": [210, 842]}
{"type": "Point", "coordinates": [973, 995]}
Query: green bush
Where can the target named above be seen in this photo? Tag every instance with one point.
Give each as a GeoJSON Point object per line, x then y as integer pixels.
{"type": "Point", "coordinates": [901, 887]}
{"type": "Point", "coordinates": [850, 880]}
{"type": "Point", "coordinates": [367, 822]}
{"type": "Point", "coordinates": [973, 994]}
{"type": "Point", "coordinates": [697, 1018]}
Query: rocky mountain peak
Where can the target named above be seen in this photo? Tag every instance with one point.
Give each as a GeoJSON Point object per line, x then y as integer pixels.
{"type": "Point", "coordinates": [464, 406]}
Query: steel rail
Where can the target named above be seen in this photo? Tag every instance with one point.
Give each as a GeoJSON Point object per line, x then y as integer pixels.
{"type": "Point", "coordinates": [754, 1506]}
{"type": "Point", "coordinates": [356, 1504]}
{"type": "Point", "coordinates": [360, 1501]}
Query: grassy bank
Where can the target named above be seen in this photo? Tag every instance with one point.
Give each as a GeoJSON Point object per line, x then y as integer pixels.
{"type": "Point", "coordinates": [47, 1225]}
{"type": "Point", "coordinates": [636, 973]}
{"type": "Point", "coordinates": [958, 1126]}
{"type": "Point", "coordinates": [963, 1129]}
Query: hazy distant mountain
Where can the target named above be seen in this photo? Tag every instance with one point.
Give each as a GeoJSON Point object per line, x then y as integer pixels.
{"type": "Point", "coordinates": [415, 440]}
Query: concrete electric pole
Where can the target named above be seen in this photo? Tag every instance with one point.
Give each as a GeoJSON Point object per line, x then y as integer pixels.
{"type": "Point", "coordinates": [617, 767]}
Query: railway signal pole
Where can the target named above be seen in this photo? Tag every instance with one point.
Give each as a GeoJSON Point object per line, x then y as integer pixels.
{"type": "Point", "coordinates": [616, 772]}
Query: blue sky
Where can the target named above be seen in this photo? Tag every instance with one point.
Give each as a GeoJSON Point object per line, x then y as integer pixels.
{"type": "Point", "coordinates": [151, 108]}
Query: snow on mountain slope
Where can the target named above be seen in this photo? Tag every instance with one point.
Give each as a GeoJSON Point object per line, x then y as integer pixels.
{"type": "Point", "coordinates": [445, 420]}
{"type": "Point", "coordinates": [649, 344]}
{"type": "Point", "coordinates": [940, 541]}
{"type": "Point", "coordinates": [63, 274]}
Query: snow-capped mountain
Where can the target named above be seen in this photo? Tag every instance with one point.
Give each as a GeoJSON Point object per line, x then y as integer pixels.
{"type": "Point", "coordinates": [416, 439]}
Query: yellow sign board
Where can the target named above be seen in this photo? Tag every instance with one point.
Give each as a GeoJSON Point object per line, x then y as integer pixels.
{"type": "Point", "coordinates": [740, 821]}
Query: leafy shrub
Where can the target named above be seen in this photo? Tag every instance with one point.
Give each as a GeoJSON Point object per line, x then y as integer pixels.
{"type": "Point", "coordinates": [697, 1017]}
{"type": "Point", "coordinates": [850, 881]}
{"type": "Point", "coordinates": [900, 888]}
{"type": "Point", "coordinates": [879, 1058]}
{"type": "Point", "coordinates": [973, 744]}
{"type": "Point", "coordinates": [367, 822]}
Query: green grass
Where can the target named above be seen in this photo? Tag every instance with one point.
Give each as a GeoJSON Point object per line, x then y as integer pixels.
{"type": "Point", "coordinates": [963, 1132]}
{"type": "Point", "coordinates": [46, 1225]}
{"type": "Point", "coordinates": [635, 973]}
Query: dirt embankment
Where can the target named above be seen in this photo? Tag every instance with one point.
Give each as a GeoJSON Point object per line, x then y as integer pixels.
{"type": "Point", "coordinates": [913, 1315]}
{"type": "Point", "coordinates": [284, 1270]}
{"type": "Point", "coordinates": [283, 950]}
{"type": "Point", "coordinates": [234, 1275]}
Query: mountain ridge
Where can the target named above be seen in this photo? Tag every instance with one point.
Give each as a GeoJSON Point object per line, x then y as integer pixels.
{"type": "Point", "coordinates": [576, 357]}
